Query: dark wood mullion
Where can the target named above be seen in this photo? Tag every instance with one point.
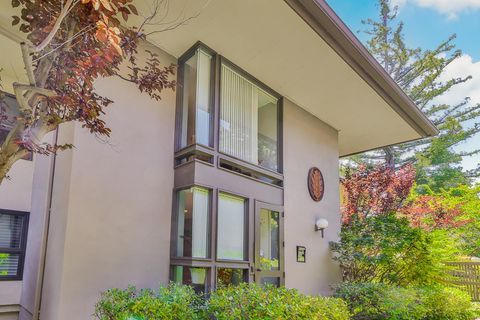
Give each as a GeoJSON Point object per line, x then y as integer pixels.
{"type": "Point", "coordinates": [251, 240]}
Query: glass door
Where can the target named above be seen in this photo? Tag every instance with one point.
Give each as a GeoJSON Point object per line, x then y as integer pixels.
{"type": "Point", "coordinates": [269, 246]}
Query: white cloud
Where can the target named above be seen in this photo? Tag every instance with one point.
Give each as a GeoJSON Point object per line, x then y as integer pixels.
{"type": "Point", "coordinates": [449, 7]}
{"type": "Point", "coordinates": [399, 3]}
{"type": "Point", "coordinates": [463, 67]}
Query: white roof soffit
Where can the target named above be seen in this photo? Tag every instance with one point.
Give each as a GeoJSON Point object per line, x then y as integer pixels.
{"type": "Point", "coordinates": [300, 49]}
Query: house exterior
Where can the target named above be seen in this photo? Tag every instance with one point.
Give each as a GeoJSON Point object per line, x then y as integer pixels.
{"type": "Point", "coordinates": [222, 181]}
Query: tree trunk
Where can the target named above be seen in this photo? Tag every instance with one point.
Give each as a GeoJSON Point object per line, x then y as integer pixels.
{"type": "Point", "coordinates": [9, 154]}
{"type": "Point", "coordinates": [389, 157]}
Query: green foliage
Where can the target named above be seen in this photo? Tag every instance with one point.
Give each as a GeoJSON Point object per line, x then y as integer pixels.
{"type": "Point", "coordinates": [466, 237]}
{"type": "Point", "coordinates": [380, 301]}
{"type": "Point", "coordinates": [446, 303]}
{"type": "Point", "coordinates": [246, 301]}
{"type": "Point", "coordinates": [172, 302]}
{"type": "Point", "coordinates": [418, 72]}
{"type": "Point", "coordinates": [438, 166]}
{"type": "Point", "coordinates": [387, 249]}
{"type": "Point", "coordinates": [249, 301]}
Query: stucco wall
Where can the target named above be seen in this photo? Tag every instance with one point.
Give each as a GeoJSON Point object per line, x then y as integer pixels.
{"type": "Point", "coordinates": [309, 142]}
{"type": "Point", "coordinates": [114, 230]}
{"type": "Point", "coordinates": [16, 192]}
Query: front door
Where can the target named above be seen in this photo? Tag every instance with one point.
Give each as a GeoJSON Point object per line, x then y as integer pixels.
{"type": "Point", "coordinates": [269, 245]}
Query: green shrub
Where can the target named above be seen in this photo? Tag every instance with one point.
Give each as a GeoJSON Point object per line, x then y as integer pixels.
{"type": "Point", "coordinates": [246, 301]}
{"type": "Point", "coordinates": [250, 301]}
{"type": "Point", "coordinates": [387, 249]}
{"type": "Point", "coordinates": [380, 301]}
{"type": "Point", "coordinates": [172, 302]}
{"type": "Point", "coordinates": [447, 303]}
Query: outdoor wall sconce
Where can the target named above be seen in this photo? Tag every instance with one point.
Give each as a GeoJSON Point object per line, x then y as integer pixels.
{"type": "Point", "coordinates": [321, 225]}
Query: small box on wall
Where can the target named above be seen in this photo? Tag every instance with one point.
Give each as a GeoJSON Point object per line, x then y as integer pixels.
{"type": "Point", "coordinates": [301, 254]}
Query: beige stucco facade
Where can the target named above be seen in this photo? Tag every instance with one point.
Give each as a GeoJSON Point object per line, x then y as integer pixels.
{"type": "Point", "coordinates": [308, 142]}
{"type": "Point", "coordinates": [112, 203]}
{"type": "Point", "coordinates": [101, 213]}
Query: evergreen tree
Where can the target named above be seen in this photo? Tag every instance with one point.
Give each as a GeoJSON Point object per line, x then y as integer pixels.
{"type": "Point", "coordinates": [418, 72]}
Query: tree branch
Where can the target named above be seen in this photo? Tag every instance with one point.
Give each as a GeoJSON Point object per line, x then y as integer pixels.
{"type": "Point", "coordinates": [63, 13]}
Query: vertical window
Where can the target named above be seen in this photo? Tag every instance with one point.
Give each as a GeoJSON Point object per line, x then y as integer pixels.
{"type": "Point", "coordinates": [193, 223]}
{"type": "Point", "coordinates": [231, 227]}
{"type": "Point", "coordinates": [249, 117]}
{"type": "Point", "coordinates": [269, 240]}
{"type": "Point", "coordinates": [13, 232]}
{"type": "Point", "coordinates": [196, 106]}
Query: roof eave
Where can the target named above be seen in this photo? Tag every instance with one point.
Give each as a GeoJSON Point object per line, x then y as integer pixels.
{"type": "Point", "coordinates": [325, 22]}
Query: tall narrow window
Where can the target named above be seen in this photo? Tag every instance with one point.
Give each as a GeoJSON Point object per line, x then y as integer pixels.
{"type": "Point", "coordinates": [269, 240]}
{"type": "Point", "coordinates": [231, 225]}
{"type": "Point", "coordinates": [248, 120]}
{"type": "Point", "coordinates": [13, 228]}
{"type": "Point", "coordinates": [196, 107]}
{"type": "Point", "coordinates": [193, 223]}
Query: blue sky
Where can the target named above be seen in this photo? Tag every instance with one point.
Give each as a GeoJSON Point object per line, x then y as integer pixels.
{"type": "Point", "coordinates": [427, 23]}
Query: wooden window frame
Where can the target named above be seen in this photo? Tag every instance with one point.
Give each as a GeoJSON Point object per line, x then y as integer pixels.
{"type": "Point", "coordinates": [212, 151]}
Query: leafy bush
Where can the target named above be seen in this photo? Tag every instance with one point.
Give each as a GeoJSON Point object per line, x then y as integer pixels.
{"type": "Point", "coordinates": [380, 301]}
{"type": "Point", "coordinates": [246, 301]}
{"type": "Point", "coordinates": [387, 249]}
{"type": "Point", "coordinates": [172, 302]}
{"type": "Point", "coordinates": [447, 303]}
{"type": "Point", "coordinates": [249, 301]}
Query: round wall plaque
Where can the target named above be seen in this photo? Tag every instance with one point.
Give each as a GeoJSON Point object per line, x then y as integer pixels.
{"type": "Point", "coordinates": [316, 185]}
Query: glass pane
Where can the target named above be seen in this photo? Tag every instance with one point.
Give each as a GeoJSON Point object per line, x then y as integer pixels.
{"type": "Point", "coordinates": [269, 240]}
{"type": "Point", "coordinates": [192, 276]}
{"type": "Point", "coordinates": [270, 280]}
{"type": "Point", "coordinates": [203, 98]}
{"type": "Point", "coordinates": [230, 276]}
{"type": "Point", "coordinates": [248, 121]}
{"type": "Point", "coordinates": [11, 231]}
{"type": "Point", "coordinates": [193, 223]}
{"type": "Point", "coordinates": [231, 227]}
{"type": "Point", "coordinates": [267, 131]}
{"type": "Point", "coordinates": [9, 264]}
{"type": "Point", "coordinates": [196, 101]}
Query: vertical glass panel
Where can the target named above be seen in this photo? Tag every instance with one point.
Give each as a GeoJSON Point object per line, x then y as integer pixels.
{"type": "Point", "coordinates": [230, 276]}
{"type": "Point", "coordinates": [192, 276]}
{"type": "Point", "coordinates": [193, 223]}
{"type": "Point", "coordinates": [196, 100]}
{"type": "Point", "coordinates": [267, 131]}
{"type": "Point", "coordinates": [231, 227]}
{"type": "Point", "coordinates": [9, 264]}
{"type": "Point", "coordinates": [248, 121]}
{"type": "Point", "coordinates": [11, 231]}
{"type": "Point", "coordinates": [275, 281]}
{"type": "Point", "coordinates": [269, 240]}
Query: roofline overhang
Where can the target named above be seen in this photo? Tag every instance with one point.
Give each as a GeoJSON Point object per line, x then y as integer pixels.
{"type": "Point", "coordinates": [325, 22]}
